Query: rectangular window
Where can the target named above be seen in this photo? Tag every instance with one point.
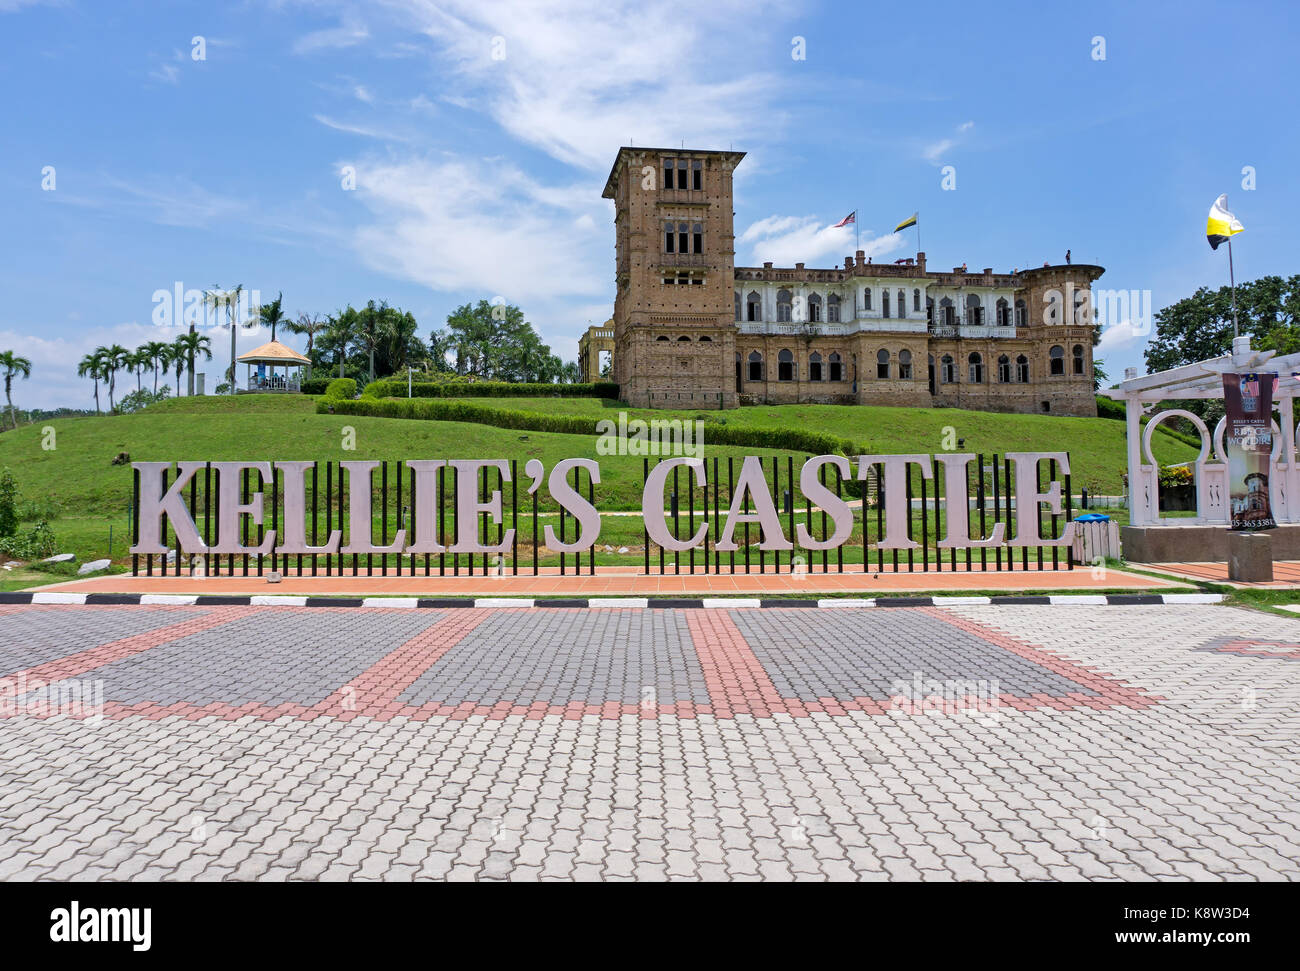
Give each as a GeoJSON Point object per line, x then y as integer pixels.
{"type": "Point", "coordinates": [668, 240]}
{"type": "Point", "coordinates": [698, 241]}
{"type": "Point", "coordinates": [697, 177]}
{"type": "Point", "coordinates": [681, 174]}
{"type": "Point", "coordinates": [682, 241]}
{"type": "Point", "coordinates": [669, 165]}
{"type": "Point", "coordinates": [836, 371]}
{"type": "Point", "coordinates": [815, 371]}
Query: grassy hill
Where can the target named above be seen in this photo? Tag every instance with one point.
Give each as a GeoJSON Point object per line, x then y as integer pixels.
{"type": "Point", "coordinates": [76, 487]}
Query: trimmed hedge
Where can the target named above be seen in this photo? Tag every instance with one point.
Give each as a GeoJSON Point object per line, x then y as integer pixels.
{"type": "Point", "coordinates": [315, 386]}
{"type": "Point", "coordinates": [396, 388]}
{"type": "Point", "coordinates": [344, 388]}
{"type": "Point", "coordinates": [784, 439]}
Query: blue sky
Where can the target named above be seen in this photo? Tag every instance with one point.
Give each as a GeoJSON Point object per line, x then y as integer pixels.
{"type": "Point", "coordinates": [479, 176]}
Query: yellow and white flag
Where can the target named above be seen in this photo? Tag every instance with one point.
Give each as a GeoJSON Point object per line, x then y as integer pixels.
{"type": "Point", "coordinates": [909, 221]}
{"type": "Point", "coordinates": [1222, 225]}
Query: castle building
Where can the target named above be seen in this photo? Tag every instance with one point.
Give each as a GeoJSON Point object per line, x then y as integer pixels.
{"type": "Point", "coordinates": [693, 330]}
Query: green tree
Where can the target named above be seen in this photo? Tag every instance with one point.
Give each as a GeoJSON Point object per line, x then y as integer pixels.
{"type": "Point", "coordinates": [1200, 326]}
{"type": "Point", "coordinates": [13, 367]}
{"type": "Point", "coordinates": [157, 354]}
{"type": "Point", "coordinates": [92, 366]}
{"type": "Point", "coordinates": [272, 314]}
{"type": "Point", "coordinates": [115, 359]}
{"type": "Point", "coordinates": [187, 347]}
{"type": "Point", "coordinates": [495, 342]}
{"type": "Point", "coordinates": [309, 326]}
{"type": "Point", "coordinates": [229, 300]}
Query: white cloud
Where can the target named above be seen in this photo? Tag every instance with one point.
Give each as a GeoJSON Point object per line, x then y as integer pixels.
{"type": "Point", "coordinates": [347, 34]}
{"type": "Point", "coordinates": [463, 225]}
{"type": "Point", "coordinates": [935, 151]}
{"type": "Point", "coordinates": [578, 78]}
{"type": "Point", "coordinates": [1120, 337]}
{"type": "Point", "coordinates": [786, 240]}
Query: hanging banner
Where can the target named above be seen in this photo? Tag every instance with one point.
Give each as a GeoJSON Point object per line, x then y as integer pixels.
{"type": "Point", "coordinates": [1248, 442]}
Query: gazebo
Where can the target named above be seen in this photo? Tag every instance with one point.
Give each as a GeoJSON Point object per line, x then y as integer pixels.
{"type": "Point", "coordinates": [269, 358]}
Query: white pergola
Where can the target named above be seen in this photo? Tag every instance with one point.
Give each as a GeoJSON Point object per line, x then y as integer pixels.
{"type": "Point", "coordinates": [1204, 379]}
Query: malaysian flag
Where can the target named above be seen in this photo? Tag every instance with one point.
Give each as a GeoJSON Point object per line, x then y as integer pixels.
{"type": "Point", "coordinates": [850, 218]}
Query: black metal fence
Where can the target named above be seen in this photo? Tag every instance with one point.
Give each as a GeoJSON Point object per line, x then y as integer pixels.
{"type": "Point", "coordinates": [395, 505]}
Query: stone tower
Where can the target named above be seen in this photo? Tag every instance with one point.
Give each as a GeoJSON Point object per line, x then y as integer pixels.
{"type": "Point", "coordinates": [674, 314]}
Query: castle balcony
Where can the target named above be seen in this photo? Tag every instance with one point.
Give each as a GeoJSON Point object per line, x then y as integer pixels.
{"type": "Point", "coordinates": [679, 197]}
{"type": "Point", "coordinates": [673, 260]}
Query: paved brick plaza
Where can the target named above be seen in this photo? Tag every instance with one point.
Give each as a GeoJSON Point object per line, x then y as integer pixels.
{"type": "Point", "coordinates": [937, 743]}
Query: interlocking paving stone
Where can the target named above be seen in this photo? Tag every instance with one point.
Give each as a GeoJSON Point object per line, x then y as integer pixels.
{"type": "Point", "coordinates": [35, 635]}
{"type": "Point", "coordinates": [1196, 782]}
{"type": "Point", "coordinates": [272, 657]}
{"type": "Point", "coordinates": [558, 656]}
{"type": "Point", "coordinates": [865, 654]}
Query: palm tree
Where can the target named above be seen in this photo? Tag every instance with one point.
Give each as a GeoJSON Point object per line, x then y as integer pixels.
{"type": "Point", "coordinates": [311, 326]}
{"type": "Point", "coordinates": [156, 355]}
{"type": "Point", "coordinates": [342, 328]}
{"type": "Point", "coordinates": [218, 298]}
{"type": "Point", "coordinates": [371, 330]}
{"type": "Point", "coordinates": [115, 359]}
{"type": "Point", "coordinates": [176, 355]}
{"type": "Point", "coordinates": [271, 313]}
{"type": "Point", "coordinates": [187, 347]}
{"type": "Point", "coordinates": [139, 360]}
{"type": "Point", "coordinates": [92, 366]}
{"type": "Point", "coordinates": [13, 366]}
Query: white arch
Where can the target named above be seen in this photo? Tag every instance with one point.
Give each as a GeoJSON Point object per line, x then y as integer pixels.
{"type": "Point", "coordinates": [1194, 419]}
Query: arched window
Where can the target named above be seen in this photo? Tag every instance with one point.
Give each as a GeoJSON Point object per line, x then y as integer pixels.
{"type": "Point", "coordinates": [1078, 358]}
{"type": "Point", "coordinates": [1056, 358]}
{"type": "Point", "coordinates": [905, 365]}
{"type": "Point", "coordinates": [916, 300]}
{"type": "Point", "coordinates": [814, 308]}
{"type": "Point", "coordinates": [737, 304]}
{"type": "Point", "coordinates": [783, 305]}
{"type": "Point", "coordinates": [1022, 314]}
{"type": "Point", "coordinates": [784, 366]}
{"type": "Point", "coordinates": [884, 303]}
{"type": "Point", "coordinates": [684, 337]}
{"type": "Point", "coordinates": [866, 298]}
{"type": "Point", "coordinates": [975, 368]}
{"type": "Point", "coordinates": [833, 308]}
{"type": "Point", "coordinates": [929, 309]}
{"type": "Point", "coordinates": [947, 370]}
{"type": "Point", "coordinates": [1004, 312]}
{"type": "Point", "coordinates": [1022, 369]}
{"type": "Point", "coordinates": [1004, 369]}
{"type": "Point", "coordinates": [814, 367]}
{"type": "Point", "coordinates": [837, 367]}
{"type": "Point", "coordinates": [882, 363]}
{"type": "Point", "coordinates": [661, 337]}
{"type": "Point", "coordinates": [947, 312]}
{"type": "Point", "coordinates": [753, 306]}
{"type": "Point", "coordinates": [706, 339]}
{"type": "Point", "coordinates": [755, 366]}
{"type": "Point", "coordinates": [974, 310]}
{"type": "Point", "coordinates": [902, 303]}
{"type": "Point", "coordinates": [670, 237]}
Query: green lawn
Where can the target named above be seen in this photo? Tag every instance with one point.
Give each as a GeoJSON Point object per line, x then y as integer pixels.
{"type": "Point", "coordinates": [75, 486]}
{"type": "Point", "coordinates": [1096, 445]}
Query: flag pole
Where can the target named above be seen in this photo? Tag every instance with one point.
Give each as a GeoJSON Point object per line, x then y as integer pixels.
{"type": "Point", "coordinates": [857, 233]}
{"type": "Point", "coordinates": [1232, 283]}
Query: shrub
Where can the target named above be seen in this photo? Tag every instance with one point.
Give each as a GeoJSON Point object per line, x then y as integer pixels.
{"type": "Point", "coordinates": [783, 439]}
{"type": "Point", "coordinates": [396, 388]}
{"type": "Point", "coordinates": [1174, 476]}
{"type": "Point", "coordinates": [37, 544]}
{"type": "Point", "coordinates": [8, 504]}
{"type": "Point", "coordinates": [345, 388]}
{"type": "Point", "coordinates": [315, 386]}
